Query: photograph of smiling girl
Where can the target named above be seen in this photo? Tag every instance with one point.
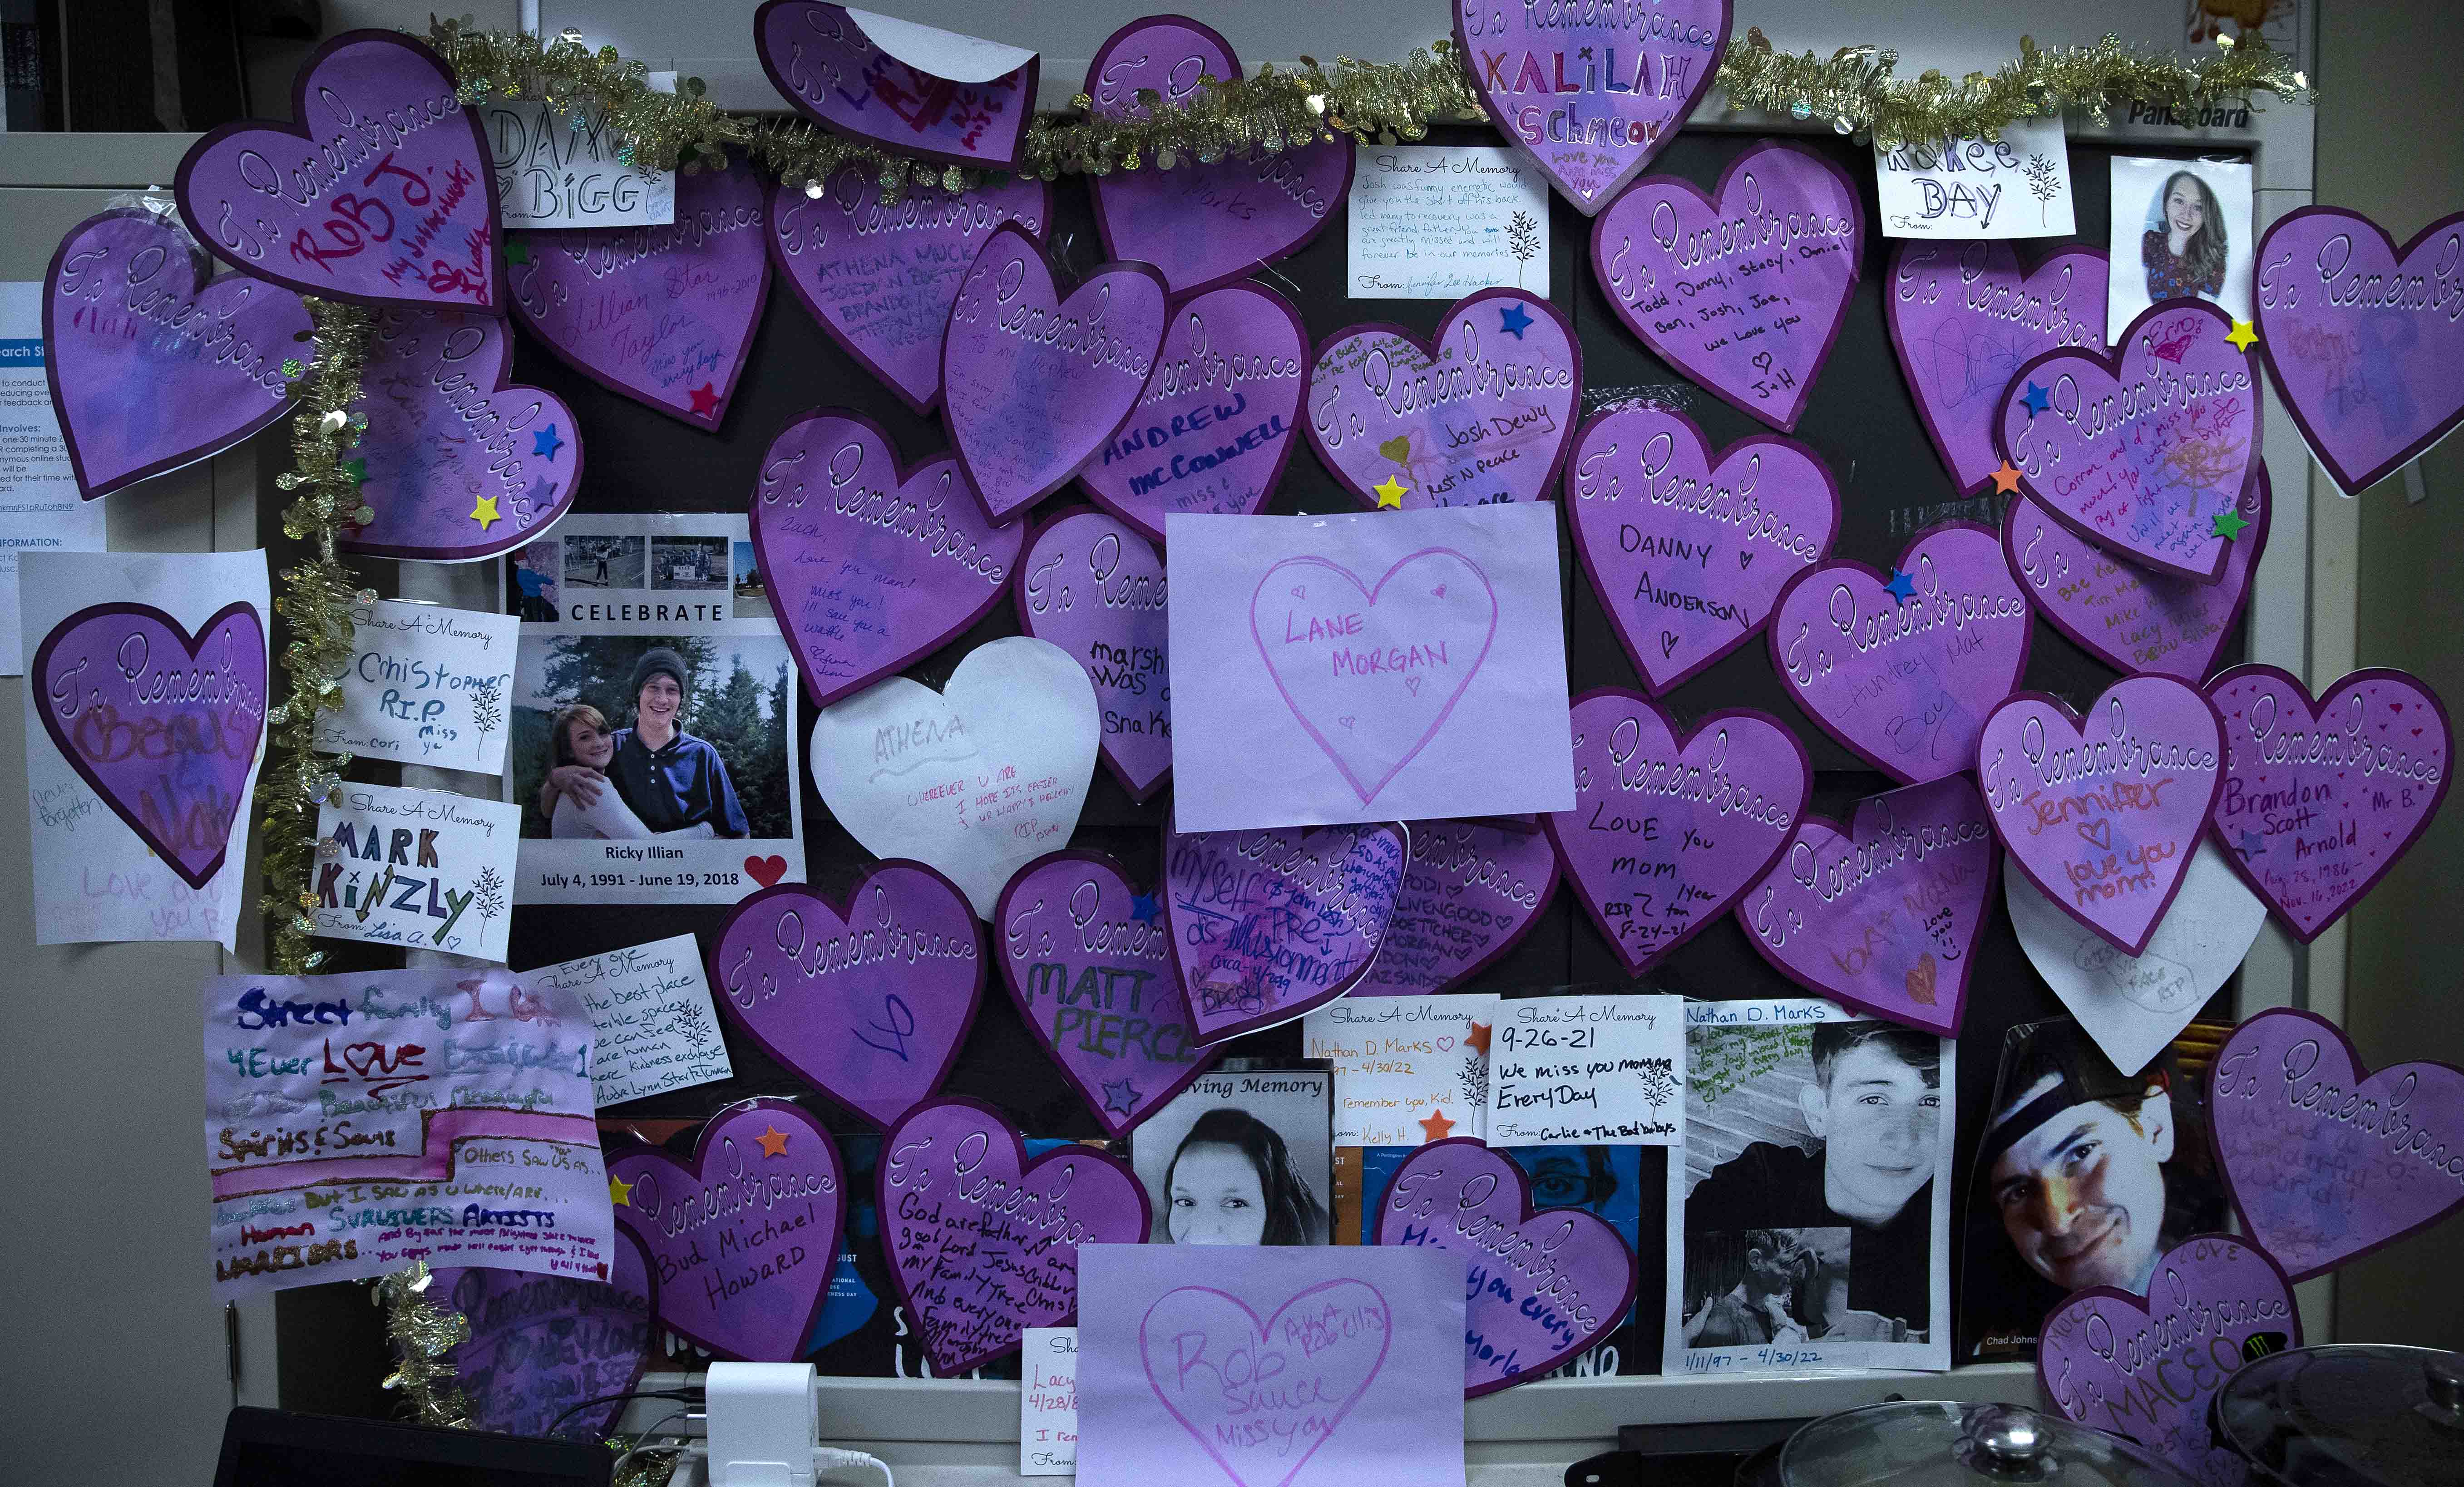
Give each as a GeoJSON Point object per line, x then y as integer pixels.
{"type": "Point", "coordinates": [2181, 229]}
{"type": "Point", "coordinates": [1242, 1157]}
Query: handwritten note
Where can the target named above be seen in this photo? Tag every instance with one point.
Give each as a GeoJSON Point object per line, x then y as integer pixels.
{"type": "Point", "coordinates": [425, 685]}
{"type": "Point", "coordinates": [1048, 1403]}
{"type": "Point", "coordinates": [569, 171]}
{"type": "Point", "coordinates": [1436, 222]}
{"type": "Point", "coordinates": [421, 868]}
{"type": "Point", "coordinates": [1267, 925]}
{"type": "Point", "coordinates": [1604, 1071]}
{"type": "Point", "coordinates": [651, 1010]}
{"type": "Point", "coordinates": [541, 1346]}
{"type": "Point", "coordinates": [1407, 1069]}
{"type": "Point", "coordinates": [1470, 894]}
{"type": "Point", "coordinates": [2018, 185]}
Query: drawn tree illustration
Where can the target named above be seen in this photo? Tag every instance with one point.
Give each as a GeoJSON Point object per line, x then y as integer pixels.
{"type": "Point", "coordinates": [693, 1025]}
{"type": "Point", "coordinates": [488, 894]}
{"type": "Point", "coordinates": [487, 707]}
{"type": "Point", "coordinates": [1522, 240]}
{"type": "Point", "coordinates": [2043, 185]}
{"type": "Point", "coordinates": [1659, 1082]}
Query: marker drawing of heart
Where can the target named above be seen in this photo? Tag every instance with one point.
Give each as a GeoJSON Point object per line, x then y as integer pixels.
{"type": "Point", "coordinates": [1267, 925]}
{"type": "Point", "coordinates": [2325, 1161]}
{"type": "Point", "coordinates": [151, 367]}
{"type": "Point", "coordinates": [2136, 618]}
{"type": "Point", "coordinates": [1095, 588]}
{"type": "Point", "coordinates": [1904, 668]}
{"type": "Point", "coordinates": [2321, 799]}
{"type": "Point", "coordinates": [1434, 609]}
{"type": "Point", "coordinates": [872, 563]}
{"type": "Point", "coordinates": [162, 723]}
{"type": "Point", "coordinates": [1544, 1285]}
{"type": "Point", "coordinates": [1481, 414]}
{"type": "Point", "coordinates": [2143, 450]}
{"type": "Point", "coordinates": [382, 194]}
{"type": "Point", "coordinates": [745, 1234]}
{"type": "Point", "coordinates": [1671, 537]}
{"type": "Point", "coordinates": [1338, 1362]}
{"type": "Point", "coordinates": [847, 71]}
{"type": "Point", "coordinates": [1747, 311]}
{"type": "Point", "coordinates": [1034, 386]}
{"type": "Point", "coordinates": [866, 999]}
{"type": "Point", "coordinates": [1471, 892]}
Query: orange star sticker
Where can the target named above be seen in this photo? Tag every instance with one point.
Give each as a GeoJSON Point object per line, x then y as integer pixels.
{"type": "Point", "coordinates": [1437, 1125]}
{"type": "Point", "coordinates": [1477, 1037]}
{"type": "Point", "coordinates": [774, 1141]}
{"type": "Point", "coordinates": [2006, 480]}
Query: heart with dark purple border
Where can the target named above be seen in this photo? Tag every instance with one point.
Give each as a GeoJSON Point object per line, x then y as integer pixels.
{"type": "Point", "coordinates": [415, 183]}
{"type": "Point", "coordinates": [151, 367]}
{"type": "Point", "coordinates": [960, 1205]}
{"type": "Point", "coordinates": [2337, 788]}
{"type": "Point", "coordinates": [873, 564]}
{"type": "Point", "coordinates": [1471, 892]}
{"type": "Point", "coordinates": [1485, 413]}
{"type": "Point", "coordinates": [1094, 588]}
{"type": "Point", "coordinates": [1688, 552]}
{"type": "Point", "coordinates": [540, 1342]}
{"type": "Point", "coordinates": [820, 60]}
{"type": "Point", "coordinates": [765, 1184]}
{"type": "Point", "coordinates": [1267, 924]}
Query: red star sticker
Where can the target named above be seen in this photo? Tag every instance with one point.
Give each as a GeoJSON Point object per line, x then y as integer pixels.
{"type": "Point", "coordinates": [705, 400]}
{"type": "Point", "coordinates": [1437, 1125]}
{"type": "Point", "coordinates": [1477, 1037]}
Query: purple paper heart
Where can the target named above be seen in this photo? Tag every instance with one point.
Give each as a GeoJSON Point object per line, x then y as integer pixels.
{"type": "Point", "coordinates": [662, 314]}
{"type": "Point", "coordinates": [1095, 588]}
{"type": "Point", "coordinates": [880, 277]}
{"type": "Point", "coordinates": [2135, 617]}
{"type": "Point", "coordinates": [1884, 916]}
{"type": "Point", "coordinates": [742, 1237]}
{"type": "Point", "coordinates": [1962, 318]}
{"type": "Point", "coordinates": [1689, 553]}
{"type": "Point", "coordinates": [1904, 676]}
{"type": "Point", "coordinates": [457, 464]}
{"type": "Point", "coordinates": [163, 724]}
{"type": "Point", "coordinates": [1484, 415]}
{"type": "Point", "coordinates": [1034, 386]}
{"type": "Point", "coordinates": [150, 365]}
{"type": "Point", "coordinates": [1204, 225]}
{"type": "Point", "coordinates": [2325, 1161]}
{"type": "Point", "coordinates": [2101, 813]}
{"type": "Point", "coordinates": [1470, 893]}
{"type": "Point", "coordinates": [867, 999]}
{"type": "Point", "coordinates": [1592, 94]}
{"type": "Point", "coordinates": [2141, 450]}
{"type": "Point", "coordinates": [1087, 958]}
{"type": "Point", "coordinates": [1215, 425]}
{"type": "Point", "coordinates": [820, 60]}
{"type": "Point", "coordinates": [2361, 338]}
{"type": "Point", "coordinates": [541, 1344]}
{"type": "Point", "coordinates": [871, 564]}
{"type": "Point", "coordinates": [1544, 1285]}
{"type": "Point", "coordinates": [2146, 1368]}
{"type": "Point", "coordinates": [381, 194]}
{"type": "Point", "coordinates": [983, 1243]}
{"type": "Point", "coordinates": [1267, 924]}
{"type": "Point", "coordinates": [1745, 289]}
{"type": "Point", "coordinates": [2320, 799]}
{"type": "Point", "coordinates": [1668, 833]}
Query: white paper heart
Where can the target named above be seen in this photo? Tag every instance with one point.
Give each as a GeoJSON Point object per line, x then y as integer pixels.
{"type": "Point", "coordinates": [2134, 1005]}
{"type": "Point", "coordinates": [977, 779]}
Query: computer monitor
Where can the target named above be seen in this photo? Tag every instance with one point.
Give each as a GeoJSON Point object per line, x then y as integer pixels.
{"type": "Point", "coordinates": [280, 1448]}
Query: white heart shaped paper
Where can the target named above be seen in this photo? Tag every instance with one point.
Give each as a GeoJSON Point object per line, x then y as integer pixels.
{"type": "Point", "coordinates": [977, 779]}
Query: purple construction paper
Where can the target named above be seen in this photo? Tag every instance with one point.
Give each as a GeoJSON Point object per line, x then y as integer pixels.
{"type": "Point", "coordinates": [820, 60]}
{"type": "Point", "coordinates": [1964, 317]}
{"type": "Point", "coordinates": [457, 464]}
{"type": "Point", "coordinates": [2320, 799]}
{"type": "Point", "coordinates": [1087, 958]}
{"type": "Point", "coordinates": [1483, 414]}
{"type": "Point", "coordinates": [151, 367]}
{"type": "Point", "coordinates": [742, 1237]}
{"type": "Point", "coordinates": [872, 564]}
{"type": "Point", "coordinates": [662, 314]}
{"type": "Point", "coordinates": [1471, 892]}
{"type": "Point", "coordinates": [1591, 92]}
{"type": "Point", "coordinates": [2362, 338]}
{"type": "Point", "coordinates": [1541, 1287]}
{"type": "Point", "coordinates": [2325, 1161]}
{"type": "Point", "coordinates": [2101, 812]}
{"type": "Point", "coordinates": [381, 194]}
{"type": "Point", "coordinates": [1267, 924]}
{"type": "Point", "coordinates": [1668, 833]}
{"type": "Point", "coordinates": [1034, 386]}
{"type": "Point", "coordinates": [879, 277]}
{"type": "Point", "coordinates": [1882, 916]}
{"type": "Point", "coordinates": [1907, 683]}
{"type": "Point", "coordinates": [1216, 423]}
{"type": "Point", "coordinates": [2141, 450]}
{"type": "Point", "coordinates": [163, 724]}
{"type": "Point", "coordinates": [983, 1243]}
{"type": "Point", "coordinates": [1688, 552]}
{"type": "Point", "coordinates": [1743, 290]}
{"type": "Point", "coordinates": [541, 1344]}
{"type": "Point", "coordinates": [2146, 1368]}
{"type": "Point", "coordinates": [866, 999]}
{"type": "Point", "coordinates": [2134, 618]}
{"type": "Point", "coordinates": [1095, 588]}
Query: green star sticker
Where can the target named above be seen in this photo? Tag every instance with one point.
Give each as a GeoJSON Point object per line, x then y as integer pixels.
{"type": "Point", "coordinates": [2229, 524]}
{"type": "Point", "coordinates": [358, 470]}
{"type": "Point", "coordinates": [291, 370]}
{"type": "Point", "coordinates": [517, 250]}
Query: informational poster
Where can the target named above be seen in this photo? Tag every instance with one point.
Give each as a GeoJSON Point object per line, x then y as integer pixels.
{"type": "Point", "coordinates": [1407, 1069]}
{"type": "Point", "coordinates": [650, 1007]}
{"type": "Point", "coordinates": [39, 509]}
{"type": "Point", "coordinates": [1587, 1071]}
{"type": "Point", "coordinates": [424, 870]}
{"type": "Point", "coordinates": [427, 685]}
{"type": "Point", "coordinates": [1438, 222]}
{"type": "Point", "coordinates": [569, 171]}
{"type": "Point", "coordinates": [2018, 185]}
{"type": "Point", "coordinates": [1048, 1403]}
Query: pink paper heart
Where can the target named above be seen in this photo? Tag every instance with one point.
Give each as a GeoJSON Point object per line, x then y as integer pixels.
{"type": "Point", "coordinates": [1096, 589]}
{"type": "Point", "coordinates": [820, 60]}
{"type": "Point", "coordinates": [1344, 1343]}
{"type": "Point", "coordinates": [539, 1343]}
{"type": "Point", "coordinates": [1470, 894]}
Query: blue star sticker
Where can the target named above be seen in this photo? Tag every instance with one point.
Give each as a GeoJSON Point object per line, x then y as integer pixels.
{"type": "Point", "coordinates": [1901, 587]}
{"type": "Point", "coordinates": [541, 493]}
{"type": "Point", "coordinates": [1143, 908]}
{"type": "Point", "coordinates": [1514, 320]}
{"type": "Point", "coordinates": [2252, 844]}
{"type": "Point", "coordinates": [544, 443]}
{"type": "Point", "coordinates": [1120, 1096]}
{"type": "Point", "coordinates": [2037, 399]}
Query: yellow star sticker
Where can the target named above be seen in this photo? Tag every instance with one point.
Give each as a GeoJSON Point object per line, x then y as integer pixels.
{"type": "Point", "coordinates": [2006, 480]}
{"type": "Point", "coordinates": [485, 512]}
{"type": "Point", "coordinates": [1389, 492]}
{"type": "Point", "coordinates": [774, 1141]}
{"type": "Point", "coordinates": [618, 1192]}
{"type": "Point", "coordinates": [2243, 336]}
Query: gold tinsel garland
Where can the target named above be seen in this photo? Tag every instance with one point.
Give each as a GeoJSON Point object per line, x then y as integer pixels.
{"type": "Point", "coordinates": [422, 1333]}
